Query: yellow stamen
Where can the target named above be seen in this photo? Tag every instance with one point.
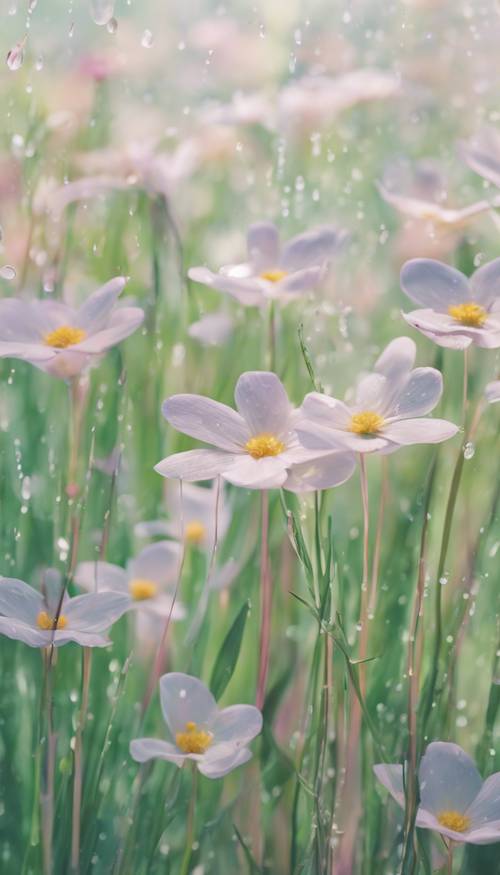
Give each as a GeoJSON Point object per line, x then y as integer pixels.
{"type": "Point", "coordinates": [273, 276]}
{"type": "Point", "coordinates": [65, 336]}
{"type": "Point", "coordinates": [45, 621]}
{"type": "Point", "coordinates": [193, 740]}
{"type": "Point", "coordinates": [195, 532]}
{"type": "Point", "coordinates": [454, 820]}
{"type": "Point", "coordinates": [366, 422]}
{"type": "Point", "coordinates": [469, 314]}
{"type": "Point", "coordinates": [141, 589]}
{"type": "Point", "coordinates": [264, 445]}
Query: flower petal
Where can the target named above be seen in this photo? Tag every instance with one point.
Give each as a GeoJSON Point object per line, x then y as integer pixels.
{"type": "Point", "coordinates": [448, 778]}
{"type": "Point", "coordinates": [266, 473]}
{"type": "Point", "coordinates": [419, 431]}
{"type": "Point", "coordinates": [263, 403]}
{"type": "Point", "coordinates": [238, 723]}
{"type": "Point", "coordinates": [434, 284]}
{"type": "Point", "coordinates": [436, 326]}
{"type": "Point", "coordinates": [485, 283]}
{"type": "Point", "coordinates": [94, 313]}
{"type": "Point", "coordinates": [299, 283]}
{"type": "Point", "coordinates": [221, 767]}
{"type": "Point", "coordinates": [486, 806]}
{"type": "Point", "coordinates": [325, 410]}
{"type": "Point", "coordinates": [420, 394]}
{"type": "Point", "coordinates": [492, 392]}
{"type": "Point", "coordinates": [158, 562]}
{"type": "Point", "coordinates": [125, 321]}
{"type": "Point", "coordinates": [247, 291]}
{"type": "Point", "coordinates": [95, 612]}
{"type": "Point", "coordinates": [196, 464]}
{"type": "Point", "coordinates": [313, 248]}
{"type": "Point", "coordinates": [263, 244]}
{"type": "Point", "coordinates": [390, 776]}
{"type": "Point", "coordinates": [144, 749]}
{"type": "Point", "coordinates": [321, 473]}
{"type": "Point", "coordinates": [19, 601]}
{"type": "Point", "coordinates": [20, 631]}
{"type": "Point", "coordinates": [207, 420]}
{"type": "Point", "coordinates": [101, 577]}
{"type": "Point", "coordinates": [185, 698]}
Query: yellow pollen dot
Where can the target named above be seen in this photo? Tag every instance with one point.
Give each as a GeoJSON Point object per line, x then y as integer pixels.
{"type": "Point", "coordinates": [46, 622]}
{"type": "Point", "coordinates": [193, 740]}
{"type": "Point", "coordinates": [195, 532]}
{"type": "Point", "coordinates": [273, 276]}
{"type": "Point", "coordinates": [264, 445]}
{"type": "Point", "coordinates": [469, 314]}
{"type": "Point", "coordinates": [366, 422]}
{"type": "Point", "coordinates": [65, 336]}
{"type": "Point", "coordinates": [454, 820]}
{"type": "Point", "coordinates": [141, 589]}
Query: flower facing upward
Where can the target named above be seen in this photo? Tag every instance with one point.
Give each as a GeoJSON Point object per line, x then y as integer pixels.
{"type": "Point", "coordinates": [257, 447]}
{"type": "Point", "coordinates": [456, 311]}
{"type": "Point", "coordinates": [147, 582]}
{"type": "Point", "coordinates": [30, 617]}
{"type": "Point", "coordinates": [454, 800]}
{"type": "Point", "coordinates": [388, 410]}
{"type": "Point", "coordinates": [61, 340]}
{"type": "Point", "coordinates": [274, 271]}
{"type": "Point", "coordinates": [215, 740]}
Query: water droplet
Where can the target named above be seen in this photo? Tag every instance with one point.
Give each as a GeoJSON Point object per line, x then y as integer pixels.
{"type": "Point", "coordinates": [102, 11]}
{"type": "Point", "coordinates": [15, 57]}
{"type": "Point", "coordinates": [112, 25]}
{"type": "Point", "coordinates": [7, 272]}
{"type": "Point", "coordinates": [469, 450]}
{"type": "Point", "coordinates": [147, 39]}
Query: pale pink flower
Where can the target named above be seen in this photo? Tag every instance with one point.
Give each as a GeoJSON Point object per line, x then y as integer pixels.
{"type": "Point", "coordinates": [275, 271]}
{"type": "Point", "coordinates": [454, 800]}
{"type": "Point", "coordinates": [456, 311]}
{"type": "Point", "coordinates": [389, 409]}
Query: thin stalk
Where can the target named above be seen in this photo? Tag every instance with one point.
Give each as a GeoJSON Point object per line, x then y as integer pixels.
{"type": "Point", "coordinates": [449, 860]}
{"type": "Point", "coordinates": [266, 601]}
{"type": "Point", "coordinates": [47, 792]}
{"type": "Point", "coordinates": [272, 337]}
{"type": "Point", "coordinates": [190, 823]}
{"type": "Point", "coordinates": [363, 617]}
{"type": "Point", "coordinates": [78, 772]}
{"type": "Point", "coordinates": [384, 492]}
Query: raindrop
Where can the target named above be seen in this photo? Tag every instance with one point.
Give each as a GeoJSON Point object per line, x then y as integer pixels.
{"type": "Point", "coordinates": [15, 57]}
{"type": "Point", "coordinates": [112, 25]}
{"type": "Point", "coordinates": [469, 450]}
{"type": "Point", "coordinates": [147, 39]}
{"type": "Point", "coordinates": [102, 11]}
{"type": "Point", "coordinates": [7, 272]}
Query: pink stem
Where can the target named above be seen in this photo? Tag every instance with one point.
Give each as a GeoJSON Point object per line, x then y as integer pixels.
{"type": "Point", "coordinates": [266, 601]}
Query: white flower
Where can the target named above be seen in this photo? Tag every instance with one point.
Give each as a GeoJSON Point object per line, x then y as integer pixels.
{"type": "Point", "coordinates": [454, 800]}
{"type": "Point", "coordinates": [145, 583]}
{"type": "Point", "coordinates": [492, 392]}
{"type": "Point", "coordinates": [257, 446]}
{"type": "Point", "coordinates": [456, 311]}
{"type": "Point", "coordinates": [388, 410]}
{"type": "Point", "coordinates": [215, 740]}
{"type": "Point", "coordinates": [28, 616]}
{"type": "Point", "coordinates": [61, 340]}
{"type": "Point", "coordinates": [275, 271]}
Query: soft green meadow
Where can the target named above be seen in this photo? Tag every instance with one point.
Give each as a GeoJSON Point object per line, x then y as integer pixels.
{"type": "Point", "coordinates": [384, 617]}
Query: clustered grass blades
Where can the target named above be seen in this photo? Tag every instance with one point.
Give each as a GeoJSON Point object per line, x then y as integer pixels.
{"type": "Point", "coordinates": [249, 386]}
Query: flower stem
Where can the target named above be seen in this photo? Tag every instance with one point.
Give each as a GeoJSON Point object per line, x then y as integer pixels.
{"type": "Point", "coordinates": [266, 601]}
{"type": "Point", "coordinates": [47, 792]}
{"type": "Point", "coordinates": [77, 779]}
{"type": "Point", "coordinates": [190, 823]}
{"type": "Point", "coordinates": [363, 617]}
{"type": "Point", "coordinates": [449, 861]}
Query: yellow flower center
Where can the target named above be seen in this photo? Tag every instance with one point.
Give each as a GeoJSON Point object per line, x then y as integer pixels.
{"type": "Point", "coordinates": [193, 740]}
{"type": "Point", "coordinates": [264, 445]}
{"type": "Point", "coordinates": [454, 820]}
{"type": "Point", "coordinates": [141, 589]}
{"type": "Point", "coordinates": [469, 314]}
{"type": "Point", "coordinates": [65, 336]}
{"type": "Point", "coordinates": [366, 422]}
{"type": "Point", "coordinates": [273, 276]}
{"type": "Point", "coordinates": [195, 532]}
{"type": "Point", "coordinates": [46, 622]}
